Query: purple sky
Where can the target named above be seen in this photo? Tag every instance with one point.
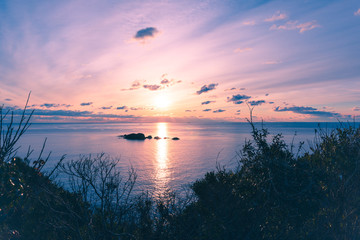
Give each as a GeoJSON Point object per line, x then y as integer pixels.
{"type": "Point", "coordinates": [181, 60]}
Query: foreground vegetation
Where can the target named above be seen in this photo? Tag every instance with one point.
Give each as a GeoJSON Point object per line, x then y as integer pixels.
{"type": "Point", "coordinates": [276, 193]}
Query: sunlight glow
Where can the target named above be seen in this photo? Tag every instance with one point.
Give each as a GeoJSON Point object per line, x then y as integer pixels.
{"type": "Point", "coordinates": [161, 101]}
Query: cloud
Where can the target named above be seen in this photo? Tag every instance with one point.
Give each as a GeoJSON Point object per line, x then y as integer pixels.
{"type": "Point", "coordinates": [207, 102]}
{"type": "Point", "coordinates": [276, 17]}
{"type": "Point", "coordinates": [272, 62]}
{"type": "Point", "coordinates": [219, 111]}
{"type": "Point", "coordinates": [240, 50]}
{"type": "Point", "coordinates": [136, 108]}
{"type": "Point", "coordinates": [165, 81]}
{"type": "Point", "coordinates": [357, 13]}
{"type": "Point", "coordinates": [61, 114]}
{"type": "Point", "coordinates": [65, 113]}
{"type": "Point", "coordinates": [135, 85]}
{"type": "Point", "coordinates": [256, 103]}
{"type": "Point", "coordinates": [356, 109]}
{"type": "Point", "coordinates": [307, 111]}
{"type": "Point", "coordinates": [207, 110]}
{"type": "Point", "coordinates": [230, 89]}
{"type": "Point", "coordinates": [207, 88]}
{"type": "Point", "coordinates": [121, 108]}
{"type": "Point", "coordinates": [152, 87]}
{"type": "Point", "coordinates": [145, 33]}
{"type": "Point", "coordinates": [238, 99]}
{"type": "Point", "coordinates": [249, 23]}
{"type": "Point", "coordinates": [105, 108]}
{"type": "Point", "coordinates": [294, 25]}
{"type": "Point", "coordinates": [8, 99]}
{"type": "Point", "coordinates": [86, 104]}
{"type": "Point", "coordinates": [188, 110]}
{"type": "Point", "coordinates": [53, 105]}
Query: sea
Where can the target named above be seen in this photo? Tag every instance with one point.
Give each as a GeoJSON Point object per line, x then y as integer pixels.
{"type": "Point", "coordinates": [164, 163]}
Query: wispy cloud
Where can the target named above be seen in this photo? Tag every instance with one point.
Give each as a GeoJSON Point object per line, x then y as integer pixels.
{"type": "Point", "coordinates": [135, 85]}
{"type": "Point", "coordinates": [207, 102]}
{"type": "Point", "coordinates": [234, 88]}
{"type": "Point", "coordinates": [52, 105]}
{"type": "Point", "coordinates": [230, 89]}
{"type": "Point", "coordinates": [8, 99]}
{"type": "Point", "coordinates": [207, 88]}
{"type": "Point", "coordinates": [207, 110]}
{"type": "Point", "coordinates": [164, 83]}
{"type": "Point", "coordinates": [357, 13]}
{"type": "Point", "coordinates": [122, 108]}
{"type": "Point", "coordinates": [241, 50]}
{"type": "Point", "coordinates": [356, 109]}
{"type": "Point", "coordinates": [272, 62]}
{"type": "Point", "coordinates": [146, 33]}
{"type": "Point", "coordinates": [219, 111]}
{"type": "Point", "coordinates": [307, 110]}
{"type": "Point", "coordinates": [152, 87]}
{"type": "Point", "coordinates": [249, 23]}
{"type": "Point", "coordinates": [294, 25]}
{"type": "Point", "coordinates": [238, 99]}
{"type": "Point", "coordinates": [70, 113]}
{"type": "Point", "coordinates": [276, 17]}
{"type": "Point", "coordinates": [106, 108]}
{"type": "Point", "coordinates": [256, 103]}
{"type": "Point", "coordinates": [86, 104]}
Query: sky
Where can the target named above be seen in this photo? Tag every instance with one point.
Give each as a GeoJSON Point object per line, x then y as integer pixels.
{"type": "Point", "coordinates": [164, 60]}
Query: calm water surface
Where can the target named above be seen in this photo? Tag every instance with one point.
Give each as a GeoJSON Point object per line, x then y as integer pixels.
{"type": "Point", "coordinates": [163, 163]}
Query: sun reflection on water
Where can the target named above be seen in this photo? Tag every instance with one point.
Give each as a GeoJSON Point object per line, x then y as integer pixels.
{"type": "Point", "coordinates": [162, 171]}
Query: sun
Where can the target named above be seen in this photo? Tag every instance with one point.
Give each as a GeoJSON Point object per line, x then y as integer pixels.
{"type": "Point", "coordinates": [162, 101]}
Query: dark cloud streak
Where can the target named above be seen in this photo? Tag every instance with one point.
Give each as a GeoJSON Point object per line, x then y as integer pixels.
{"type": "Point", "coordinates": [207, 88]}
{"type": "Point", "coordinates": [256, 103]}
{"type": "Point", "coordinates": [207, 102]}
{"type": "Point", "coordinates": [219, 111]}
{"type": "Point", "coordinates": [307, 111]}
{"type": "Point", "coordinates": [238, 99]}
{"type": "Point", "coordinates": [86, 104]}
{"type": "Point", "coordinates": [152, 87]}
{"type": "Point", "coordinates": [149, 32]}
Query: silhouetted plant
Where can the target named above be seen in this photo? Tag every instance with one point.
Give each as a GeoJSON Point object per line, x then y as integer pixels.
{"type": "Point", "coordinates": [100, 183]}
{"type": "Point", "coordinates": [10, 132]}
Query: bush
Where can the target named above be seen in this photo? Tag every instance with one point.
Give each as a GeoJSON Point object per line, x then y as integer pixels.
{"type": "Point", "coordinates": [277, 194]}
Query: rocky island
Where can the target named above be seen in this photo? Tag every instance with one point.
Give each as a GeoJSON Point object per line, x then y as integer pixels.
{"type": "Point", "coordinates": [141, 136]}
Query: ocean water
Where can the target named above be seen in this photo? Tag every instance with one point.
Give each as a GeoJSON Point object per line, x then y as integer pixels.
{"type": "Point", "coordinates": [160, 164]}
